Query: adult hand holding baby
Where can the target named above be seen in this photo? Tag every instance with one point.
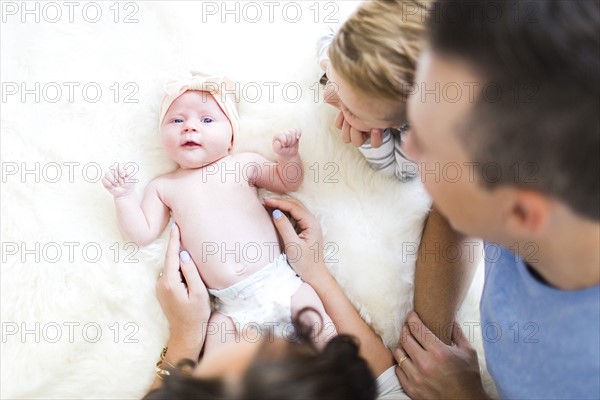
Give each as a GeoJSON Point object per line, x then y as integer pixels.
{"type": "Point", "coordinates": [185, 301]}
{"type": "Point", "coordinates": [304, 249]}
{"type": "Point", "coordinates": [305, 255]}
{"type": "Point", "coordinates": [186, 304]}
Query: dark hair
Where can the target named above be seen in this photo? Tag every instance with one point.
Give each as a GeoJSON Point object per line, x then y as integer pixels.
{"type": "Point", "coordinates": [298, 371]}
{"type": "Point", "coordinates": [179, 385]}
{"type": "Point", "coordinates": [542, 131]}
{"type": "Point", "coordinates": [302, 372]}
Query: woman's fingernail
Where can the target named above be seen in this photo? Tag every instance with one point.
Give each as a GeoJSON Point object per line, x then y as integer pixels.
{"type": "Point", "coordinates": [184, 256]}
{"type": "Point", "coordinates": [173, 225]}
{"type": "Point", "coordinates": [277, 214]}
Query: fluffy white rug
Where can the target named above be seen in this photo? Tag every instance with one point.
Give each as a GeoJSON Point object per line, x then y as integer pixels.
{"type": "Point", "coordinates": [79, 314]}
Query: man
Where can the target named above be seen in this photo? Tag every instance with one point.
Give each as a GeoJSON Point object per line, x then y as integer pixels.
{"type": "Point", "coordinates": [525, 131]}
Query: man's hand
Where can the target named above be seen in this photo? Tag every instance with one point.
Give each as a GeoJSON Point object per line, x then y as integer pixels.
{"type": "Point", "coordinates": [428, 368]}
{"type": "Point", "coordinates": [286, 143]}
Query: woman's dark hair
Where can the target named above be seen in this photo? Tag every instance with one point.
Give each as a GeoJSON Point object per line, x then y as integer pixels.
{"type": "Point", "coordinates": [536, 117]}
{"type": "Point", "coordinates": [296, 371]}
{"type": "Point", "coordinates": [302, 372]}
{"type": "Point", "coordinates": [181, 386]}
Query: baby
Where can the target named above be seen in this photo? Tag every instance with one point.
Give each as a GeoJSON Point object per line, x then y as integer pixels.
{"type": "Point", "coordinates": [212, 196]}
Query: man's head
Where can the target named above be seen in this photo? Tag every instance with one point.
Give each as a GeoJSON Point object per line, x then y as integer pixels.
{"type": "Point", "coordinates": [509, 129]}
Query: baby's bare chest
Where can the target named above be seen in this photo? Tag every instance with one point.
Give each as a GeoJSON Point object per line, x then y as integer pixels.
{"type": "Point", "coordinates": [209, 192]}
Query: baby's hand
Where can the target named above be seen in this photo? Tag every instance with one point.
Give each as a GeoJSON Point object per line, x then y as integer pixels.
{"type": "Point", "coordinates": [119, 183]}
{"type": "Point", "coordinates": [286, 143]}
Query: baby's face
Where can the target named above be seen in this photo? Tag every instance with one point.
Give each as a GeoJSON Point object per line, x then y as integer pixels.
{"type": "Point", "coordinates": [195, 131]}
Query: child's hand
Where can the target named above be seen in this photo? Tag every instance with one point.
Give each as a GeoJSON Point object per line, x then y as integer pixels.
{"type": "Point", "coordinates": [119, 183]}
{"type": "Point", "coordinates": [356, 137]}
{"type": "Point", "coordinates": [286, 143]}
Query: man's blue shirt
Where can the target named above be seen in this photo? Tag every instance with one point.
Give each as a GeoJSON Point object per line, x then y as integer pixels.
{"type": "Point", "coordinates": [540, 342]}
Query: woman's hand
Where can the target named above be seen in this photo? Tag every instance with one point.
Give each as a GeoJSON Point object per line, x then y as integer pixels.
{"type": "Point", "coordinates": [183, 295]}
{"type": "Point", "coordinates": [305, 249]}
{"type": "Point", "coordinates": [301, 249]}
{"type": "Point", "coordinates": [185, 301]}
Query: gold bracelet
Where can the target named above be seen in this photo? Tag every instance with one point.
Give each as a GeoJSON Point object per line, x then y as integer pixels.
{"type": "Point", "coordinates": [160, 371]}
{"type": "Point", "coordinates": [163, 354]}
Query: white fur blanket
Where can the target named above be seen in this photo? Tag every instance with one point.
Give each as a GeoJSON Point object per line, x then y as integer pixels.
{"type": "Point", "coordinates": [81, 87]}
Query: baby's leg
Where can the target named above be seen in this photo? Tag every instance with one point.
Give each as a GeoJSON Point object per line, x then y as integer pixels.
{"type": "Point", "coordinates": [220, 330]}
{"type": "Point", "coordinates": [324, 329]}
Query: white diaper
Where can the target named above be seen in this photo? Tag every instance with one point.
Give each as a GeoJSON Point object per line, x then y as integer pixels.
{"type": "Point", "coordinates": [263, 300]}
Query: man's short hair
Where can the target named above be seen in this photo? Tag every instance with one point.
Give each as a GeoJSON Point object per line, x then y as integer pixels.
{"type": "Point", "coordinates": [541, 127]}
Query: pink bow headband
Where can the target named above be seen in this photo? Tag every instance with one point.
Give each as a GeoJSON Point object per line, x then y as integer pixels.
{"type": "Point", "coordinates": [215, 85]}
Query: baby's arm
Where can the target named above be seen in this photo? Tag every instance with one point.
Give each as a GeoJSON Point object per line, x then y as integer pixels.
{"type": "Point", "coordinates": [143, 223]}
{"type": "Point", "coordinates": [287, 174]}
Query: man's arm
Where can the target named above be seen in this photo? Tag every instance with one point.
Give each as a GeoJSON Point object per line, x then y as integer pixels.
{"type": "Point", "coordinates": [445, 267]}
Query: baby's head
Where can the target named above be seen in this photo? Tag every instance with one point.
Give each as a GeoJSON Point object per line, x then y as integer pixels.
{"type": "Point", "coordinates": [198, 121]}
{"type": "Point", "coordinates": [373, 62]}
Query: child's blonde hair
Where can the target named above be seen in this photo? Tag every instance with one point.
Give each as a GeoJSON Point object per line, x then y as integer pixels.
{"type": "Point", "coordinates": [377, 48]}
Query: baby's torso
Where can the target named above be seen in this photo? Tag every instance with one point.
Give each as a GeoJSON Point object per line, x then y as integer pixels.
{"type": "Point", "coordinates": [223, 224]}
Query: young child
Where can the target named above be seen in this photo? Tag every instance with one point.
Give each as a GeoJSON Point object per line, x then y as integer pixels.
{"type": "Point", "coordinates": [212, 196]}
{"type": "Point", "coordinates": [390, 62]}
{"type": "Point", "coordinates": [370, 64]}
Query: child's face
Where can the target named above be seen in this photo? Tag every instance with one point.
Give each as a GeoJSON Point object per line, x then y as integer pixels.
{"type": "Point", "coordinates": [195, 131]}
{"type": "Point", "coordinates": [362, 112]}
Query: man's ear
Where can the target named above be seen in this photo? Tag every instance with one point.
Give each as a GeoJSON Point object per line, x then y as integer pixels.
{"type": "Point", "coordinates": [530, 213]}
